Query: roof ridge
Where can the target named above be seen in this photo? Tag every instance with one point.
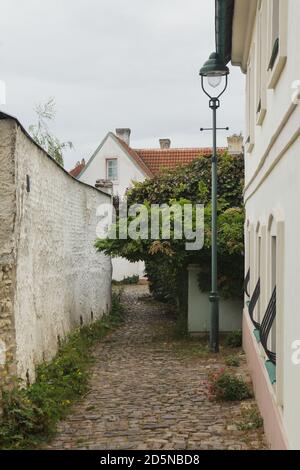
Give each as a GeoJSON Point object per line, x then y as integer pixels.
{"type": "Point", "coordinates": [192, 149]}
{"type": "Point", "coordinates": [132, 152]}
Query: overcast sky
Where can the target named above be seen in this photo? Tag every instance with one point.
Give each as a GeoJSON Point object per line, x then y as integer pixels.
{"type": "Point", "coordinates": [114, 63]}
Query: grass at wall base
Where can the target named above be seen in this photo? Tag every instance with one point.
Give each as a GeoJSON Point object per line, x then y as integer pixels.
{"type": "Point", "coordinates": [30, 414]}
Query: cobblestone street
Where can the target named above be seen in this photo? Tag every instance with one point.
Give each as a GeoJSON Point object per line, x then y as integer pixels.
{"type": "Point", "coordinates": [147, 391]}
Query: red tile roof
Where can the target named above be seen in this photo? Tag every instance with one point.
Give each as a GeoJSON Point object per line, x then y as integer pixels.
{"type": "Point", "coordinates": [77, 170]}
{"type": "Point", "coordinates": [152, 161]}
{"type": "Point", "coordinates": [159, 159]}
{"type": "Point", "coordinates": [136, 157]}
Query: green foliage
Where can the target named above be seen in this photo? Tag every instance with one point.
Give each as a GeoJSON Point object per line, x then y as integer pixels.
{"type": "Point", "coordinates": [162, 279]}
{"type": "Point", "coordinates": [234, 339]}
{"type": "Point", "coordinates": [193, 183]}
{"type": "Point", "coordinates": [223, 386]}
{"type": "Point", "coordinates": [129, 280]}
{"type": "Point", "coordinates": [251, 419]}
{"type": "Point", "coordinates": [232, 361]}
{"type": "Point", "coordinates": [30, 414]}
{"type": "Point", "coordinates": [42, 136]}
{"type": "Point", "coordinates": [166, 260]}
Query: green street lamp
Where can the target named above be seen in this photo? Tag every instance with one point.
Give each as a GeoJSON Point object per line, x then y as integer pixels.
{"type": "Point", "coordinates": [214, 71]}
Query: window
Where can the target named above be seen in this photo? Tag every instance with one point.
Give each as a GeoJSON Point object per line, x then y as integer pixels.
{"type": "Point", "coordinates": [112, 169]}
{"type": "Point", "coordinates": [261, 64]}
{"type": "Point", "coordinates": [277, 39]}
{"type": "Point", "coordinates": [274, 33]}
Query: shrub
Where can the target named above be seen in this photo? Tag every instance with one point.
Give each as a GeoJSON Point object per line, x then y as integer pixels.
{"type": "Point", "coordinates": [234, 339]}
{"type": "Point", "coordinates": [30, 414]}
{"type": "Point", "coordinates": [167, 260]}
{"type": "Point", "coordinates": [223, 386]}
{"type": "Point", "coordinates": [232, 361]}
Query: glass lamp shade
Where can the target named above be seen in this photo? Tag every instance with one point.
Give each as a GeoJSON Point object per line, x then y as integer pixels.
{"type": "Point", "coordinates": [214, 80]}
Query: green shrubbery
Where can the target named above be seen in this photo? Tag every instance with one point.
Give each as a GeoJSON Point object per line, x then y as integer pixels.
{"type": "Point", "coordinates": [234, 339]}
{"type": "Point", "coordinates": [30, 414]}
{"type": "Point", "coordinates": [223, 386]}
{"type": "Point", "coordinates": [166, 261]}
{"type": "Point", "coordinates": [129, 280]}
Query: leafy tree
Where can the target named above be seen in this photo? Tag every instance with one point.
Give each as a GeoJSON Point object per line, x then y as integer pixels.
{"type": "Point", "coordinates": [41, 134]}
{"type": "Point", "coordinates": [167, 260]}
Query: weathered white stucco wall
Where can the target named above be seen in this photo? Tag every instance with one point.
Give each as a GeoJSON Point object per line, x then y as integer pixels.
{"type": "Point", "coordinates": [7, 258]}
{"type": "Point", "coordinates": [60, 280]}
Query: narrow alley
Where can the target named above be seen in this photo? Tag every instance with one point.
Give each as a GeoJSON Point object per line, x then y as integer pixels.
{"type": "Point", "coordinates": [148, 391]}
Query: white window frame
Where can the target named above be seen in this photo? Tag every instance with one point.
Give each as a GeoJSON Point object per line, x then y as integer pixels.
{"type": "Point", "coordinates": [108, 160]}
{"type": "Point", "coordinates": [275, 71]}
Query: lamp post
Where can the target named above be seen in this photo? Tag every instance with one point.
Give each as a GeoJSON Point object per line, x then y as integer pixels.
{"type": "Point", "coordinates": [214, 71]}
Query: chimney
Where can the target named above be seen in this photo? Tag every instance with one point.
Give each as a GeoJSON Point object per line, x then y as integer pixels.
{"type": "Point", "coordinates": [164, 143]}
{"type": "Point", "coordinates": [235, 144]}
{"type": "Point", "coordinates": [105, 185]}
{"type": "Point", "coordinates": [124, 134]}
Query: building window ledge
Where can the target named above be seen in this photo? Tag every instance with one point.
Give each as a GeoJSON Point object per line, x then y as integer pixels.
{"type": "Point", "coordinates": [249, 147]}
{"type": "Point", "coordinates": [260, 113]}
{"type": "Point", "coordinates": [276, 66]}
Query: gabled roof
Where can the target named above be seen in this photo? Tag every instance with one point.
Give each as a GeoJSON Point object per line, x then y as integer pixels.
{"type": "Point", "coordinates": [151, 161]}
{"type": "Point", "coordinates": [130, 152]}
{"type": "Point", "coordinates": [136, 157]}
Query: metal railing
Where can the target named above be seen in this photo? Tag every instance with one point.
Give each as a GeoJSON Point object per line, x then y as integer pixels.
{"type": "Point", "coordinates": [252, 304]}
{"type": "Point", "coordinates": [266, 327]}
{"type": "Point", "coordinates": [246, 283]}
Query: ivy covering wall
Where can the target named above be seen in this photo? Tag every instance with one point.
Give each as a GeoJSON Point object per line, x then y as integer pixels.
{"type": "Point", "coordinates": [166, 260]}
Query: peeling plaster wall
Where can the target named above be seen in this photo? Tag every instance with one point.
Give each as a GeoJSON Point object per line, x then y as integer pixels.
{"type": "Point", "coordinates": [58, 280]}
{"type": "Point", "coordinates": [7, 250]}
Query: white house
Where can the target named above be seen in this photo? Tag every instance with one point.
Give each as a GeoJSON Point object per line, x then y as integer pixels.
{"type": "Point", "coordinates": [263, 37]}
{"type": "Point", "coordinates": [116, 161]}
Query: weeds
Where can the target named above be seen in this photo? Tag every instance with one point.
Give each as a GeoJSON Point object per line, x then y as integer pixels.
{"type": "Point", "coordinates": [251, 419]}
{"type": "Point", "coordinates": [232, 361]}
{"type": "Point", "coordinates": [234, 339]}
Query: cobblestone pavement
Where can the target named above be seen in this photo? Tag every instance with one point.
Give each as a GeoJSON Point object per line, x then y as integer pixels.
{"type": "Point", "coordinates": [147, 391]}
